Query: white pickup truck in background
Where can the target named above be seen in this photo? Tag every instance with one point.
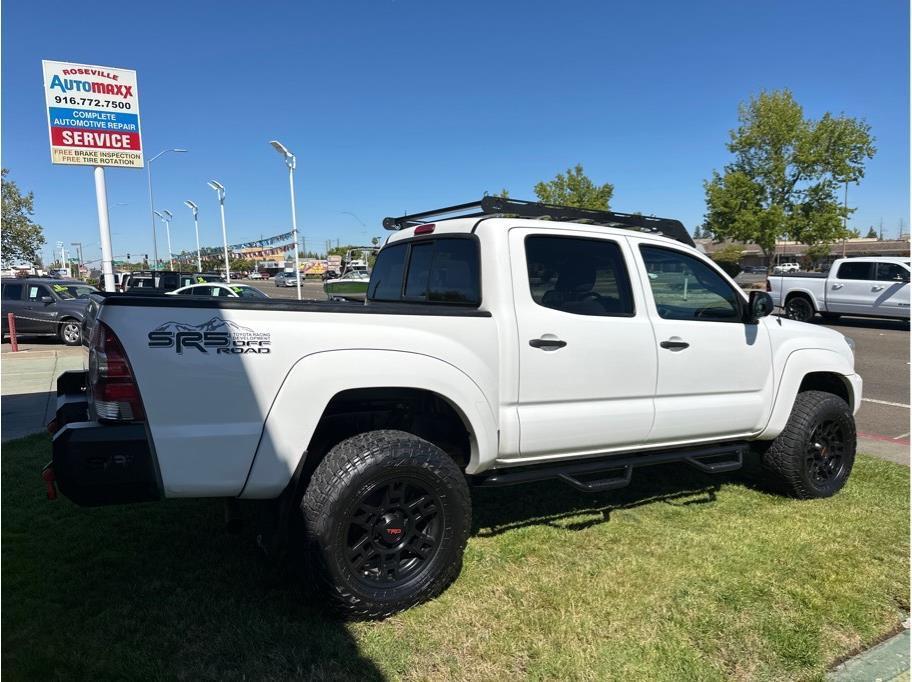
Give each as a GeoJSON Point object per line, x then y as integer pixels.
{"type": "Point", "coordinates": [866, 287]}
{"type": "Point", "coordinates": [495, 348]}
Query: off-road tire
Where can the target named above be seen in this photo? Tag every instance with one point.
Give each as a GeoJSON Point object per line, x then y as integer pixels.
{"type": "Point", "coordinates": [70, 332]}
{"type": "Point", "coordinates": [331, 509]}
{"type": "Point", "coordinates": [791, 463]}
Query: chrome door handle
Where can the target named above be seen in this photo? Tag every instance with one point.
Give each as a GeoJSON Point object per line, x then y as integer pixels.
{"type": "Point", "coordinates": [547, 344]}
{"type": "Point", "coordinates": [837, 286]}
{"type": "Point", "coordinates": [675, 345]}
{"type": "Point", "coordinates": [877, 288]}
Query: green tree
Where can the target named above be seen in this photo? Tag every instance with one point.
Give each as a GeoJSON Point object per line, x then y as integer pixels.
{"type": "Point", "coordinates": [816, 253]}
{"type": "Point", "coordinates": [729, 257]}
{"type": "Point", "coordinates": [786, 174]}
{"type": "Point", "coordinates": [575, 189]}
{"type": "Point", "coordinates": [872, 233]}
{"type": "Point", "coordinates": [21, 238]}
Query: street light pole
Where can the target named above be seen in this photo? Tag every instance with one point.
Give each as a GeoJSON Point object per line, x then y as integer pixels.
{"type": "Point", "coordinates": [152, 203]}
{"type": "Point", "coordinates": [220, 191]}
{"type": "Point", "coordinates": [291, 162]}
{"type": "Point", "coordinates": [166, 217]}
{"type": "Point", "coordinates": [193, 207]}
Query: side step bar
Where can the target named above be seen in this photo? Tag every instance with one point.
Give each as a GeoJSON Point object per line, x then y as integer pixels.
{"type": "Point", "coordinates": [617, 469]}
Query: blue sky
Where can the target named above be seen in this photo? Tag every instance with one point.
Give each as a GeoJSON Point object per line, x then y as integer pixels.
{"type": "Point", "coordinates": [406, 105]}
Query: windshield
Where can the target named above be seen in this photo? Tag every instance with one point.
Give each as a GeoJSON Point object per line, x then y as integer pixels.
{"type": "Point", "coordinates": [248, 292]}
{"type": "Point", "coordinates": [63, 292]}
{"type": "Point", "coordinates": [80, 290]}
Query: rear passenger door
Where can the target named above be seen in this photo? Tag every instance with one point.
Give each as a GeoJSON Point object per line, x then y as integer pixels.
{"type": "Point", "coordinates": [587, 364]}
{"type": "Point", "coordinates": [851, 289]}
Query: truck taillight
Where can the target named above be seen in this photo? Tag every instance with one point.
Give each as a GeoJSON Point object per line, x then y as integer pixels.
{"type": "Point", "coordinates": [113, 392]}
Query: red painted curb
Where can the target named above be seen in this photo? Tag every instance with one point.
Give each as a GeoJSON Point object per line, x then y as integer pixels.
{"type": "Point", "coordinates": [886, 439]}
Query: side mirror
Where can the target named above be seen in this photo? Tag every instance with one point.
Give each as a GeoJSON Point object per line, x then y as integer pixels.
{"type": "Point", "coordinates": [47, 299]}
{"type": "Point", "coordinates": [760, 305]}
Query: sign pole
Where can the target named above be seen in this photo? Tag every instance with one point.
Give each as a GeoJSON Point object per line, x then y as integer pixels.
{"type": "Point", "coordinates": [104, 229]}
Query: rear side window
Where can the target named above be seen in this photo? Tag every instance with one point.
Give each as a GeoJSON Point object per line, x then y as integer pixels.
{"type": "Point", "coordinates": [428, 271]}
{"type": "Point", "coordinates": [578, 275]}
{"type": "Point", "coordinates": [12, 292]}
{"type": "Point", "coordinates": [855, 271]}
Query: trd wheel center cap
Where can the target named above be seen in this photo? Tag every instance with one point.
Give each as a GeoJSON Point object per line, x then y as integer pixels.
{"type": "Point", "coordinates": [391, 529]}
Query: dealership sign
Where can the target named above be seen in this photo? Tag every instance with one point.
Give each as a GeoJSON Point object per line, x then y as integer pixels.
{"type": "Point", "coordinates": [93, 115]}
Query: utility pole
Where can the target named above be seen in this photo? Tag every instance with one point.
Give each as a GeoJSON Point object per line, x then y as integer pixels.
{"type": "Point", "coordinates": [78, 246]}
{"type": "Point", "coordinates": [901, 225]}
{"type": "Point", "coordinates": [881, 229]}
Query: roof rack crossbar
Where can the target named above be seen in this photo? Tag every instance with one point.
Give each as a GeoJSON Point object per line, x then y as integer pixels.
{"type": "Point", "coordinates": [490, 206]}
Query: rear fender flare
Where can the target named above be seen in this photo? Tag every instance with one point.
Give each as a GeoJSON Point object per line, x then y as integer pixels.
{"type": "Point", "coordinates": [315, 379]}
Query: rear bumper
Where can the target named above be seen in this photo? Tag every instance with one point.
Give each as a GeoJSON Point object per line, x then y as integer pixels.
{"type": "Point", "coordinates": [97, 464]}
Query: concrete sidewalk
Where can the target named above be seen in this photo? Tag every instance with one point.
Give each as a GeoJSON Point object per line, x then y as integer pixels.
{"type": "Point", "coordinates": [29, 387]}
{"type": "Point", "coordinates": [888, 662]}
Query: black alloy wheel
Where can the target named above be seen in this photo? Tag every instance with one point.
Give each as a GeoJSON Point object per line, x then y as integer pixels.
{"type": "Point", "coordinates": [799, 308]}
{"type": "Point", "coordinates": [813, 455]}
{"type": "Point", "coordinates": [393, 532]}
{"type": "Point", "coordinates": [385, 519]}
{"type": "Point", "coordinates": [825, 453]}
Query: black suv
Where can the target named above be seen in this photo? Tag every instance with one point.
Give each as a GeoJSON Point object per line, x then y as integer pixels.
{"type": "Point", "coordinates": [45, 307]}
{"type": "Point", "coordinates": [167, 280]}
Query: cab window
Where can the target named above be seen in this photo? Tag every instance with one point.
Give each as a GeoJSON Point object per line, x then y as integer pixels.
{"type": "Point", "coordinates": [441, 270]}
{"type": "Point", "coordinates": [686, 288]}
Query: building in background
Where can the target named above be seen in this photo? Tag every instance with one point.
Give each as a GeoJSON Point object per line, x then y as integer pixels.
{"type": "Point", "coordinates": [796, 252]}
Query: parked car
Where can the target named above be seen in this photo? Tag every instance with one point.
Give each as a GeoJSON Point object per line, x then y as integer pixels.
{"type": "Point", "coordinates": [254, 275]}
{"type": "Point", "coordinates": [755, 270]}
{"type": "Point", "coordinates": [43, 307]}
{"type": "Point", "coordinates": [786, 267]}
{"type": "Point", "coordinates": [870, 287]}
{"type": "Point", "coordinates": [219, 289]}
{"type": "Point", "coordinates": [285, 279]}
{"type": "Point", "coordinates": [493, 349]}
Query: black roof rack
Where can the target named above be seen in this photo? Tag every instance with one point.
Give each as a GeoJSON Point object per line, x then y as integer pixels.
{"type": "Point", "coordinates": [499, 206]}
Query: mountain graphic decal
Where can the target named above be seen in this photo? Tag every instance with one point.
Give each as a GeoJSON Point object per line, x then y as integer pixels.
{"type": "Point", "coordinates": [214, 324]}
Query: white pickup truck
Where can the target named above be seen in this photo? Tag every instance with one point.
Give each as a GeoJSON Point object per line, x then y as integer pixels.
{"type": "Point", "coordinates": [866, 287]}
{"type": "Point", "coordinates": [494, 348]}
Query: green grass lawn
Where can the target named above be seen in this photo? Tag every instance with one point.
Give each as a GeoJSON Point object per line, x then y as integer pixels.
{"type": "Point", "coordinates": [681, 576]}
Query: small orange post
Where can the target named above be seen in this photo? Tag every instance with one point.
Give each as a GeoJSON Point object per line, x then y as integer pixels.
{"type": "Point", "coordinates": [11, 318]}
